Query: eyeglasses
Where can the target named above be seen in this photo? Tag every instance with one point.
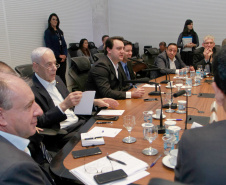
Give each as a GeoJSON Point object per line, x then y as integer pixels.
{"type": "Point", "coordinates": [207, 43]}
{"type": "Point", "coordinates": [50, 66]}
{"type": "Point", "coordinates": [96, 167]}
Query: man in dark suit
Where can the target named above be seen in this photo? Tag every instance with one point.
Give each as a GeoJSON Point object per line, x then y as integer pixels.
{"type": "Point", "coordinates": [53, 97]}
{"type": "Point", "coordinates": [126, 64]}
{"type": "Point", "coordinates": [169, 61]}
{"type": "Point", "coordinates": [201, 156]}
{"type": "Point", "coordinates": [106, 76]}
{"type": "Point", "coordinates": [18, 119]}
{"type": "Point", "coordinates": [204, 55]}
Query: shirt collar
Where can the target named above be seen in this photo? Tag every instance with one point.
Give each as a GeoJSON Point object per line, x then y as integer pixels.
{"type": "Point", "coordinates": [19, 142]}
{"type": "Point", "coordinates": [44, 82]}
{"type": "Point", "coordinates": [115, 66]}
{"type": "Point", "coordinates": [174, 59]}
{"type": "Point", "coordinates": [123, 64]}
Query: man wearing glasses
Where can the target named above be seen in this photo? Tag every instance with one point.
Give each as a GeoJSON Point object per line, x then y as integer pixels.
{"type": "Point", "coordinates": [53, 97]}
{"type": "Point", "coordinates": [204, 55]}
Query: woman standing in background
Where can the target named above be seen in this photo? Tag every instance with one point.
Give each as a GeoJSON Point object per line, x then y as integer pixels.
{"type": "Point", "coordinates": [54, 39]}
{"type": "Point", "coordinates": [84, 50]}
{"type": "Point", "coordinates": [188, 40]}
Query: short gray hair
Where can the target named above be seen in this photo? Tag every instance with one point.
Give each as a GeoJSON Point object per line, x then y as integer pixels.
{"type": "Point", "coordinates": [208, 37]}
{"type": "Point", "coordinates": [5, 95]}
{"type": "Point", "coordinates": [36, 55]}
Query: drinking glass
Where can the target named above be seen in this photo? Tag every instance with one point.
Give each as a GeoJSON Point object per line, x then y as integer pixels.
{"type": "Point", "coordinates": [148, 116]}
{"type": "Point", "coordinates": [169, 99]}
{"type": "Point", "coordinates": [168, 143]}
{"type": "Point", "coordinates": [150, 134]}
{"type": "Point", "coordinates": [179, 84]}
{"type": "Point", "coordinates": [129, 123]}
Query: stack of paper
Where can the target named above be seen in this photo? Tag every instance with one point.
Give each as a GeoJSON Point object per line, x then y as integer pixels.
{"type": "Point", "coordinates": [134, 168]}
{"type": "Point", "coordinates": [91, 139]}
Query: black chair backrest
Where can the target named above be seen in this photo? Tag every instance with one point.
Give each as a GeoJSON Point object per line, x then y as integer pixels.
{"type": "Point", "coordinates": [136, 50]}
{"type": "Point", "coordinates": [25, 70]}
{"type": "Point", "coordinates": [97, 56]}
{"type": "Point", "coordinates": [79, 72]}
{"type": "Point", "coordinates": [73, 48]}
{"type": "Point", "coordinates": [93, 49]}
{"type": "Point", "coordinates": [158, 181]}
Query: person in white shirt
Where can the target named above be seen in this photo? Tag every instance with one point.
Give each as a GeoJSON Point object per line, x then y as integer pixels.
{"type": "Point", "coordinates": [53, 97]}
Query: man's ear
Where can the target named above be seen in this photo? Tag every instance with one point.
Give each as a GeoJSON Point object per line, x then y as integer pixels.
{"type": "Point", "coordinates": [219, 95]}
{"type": "Point", "coordinates": [3, 122]}
{"type": "Point", "coordinates": [34, 66]}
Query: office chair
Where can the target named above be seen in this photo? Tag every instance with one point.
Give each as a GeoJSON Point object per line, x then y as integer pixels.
{"type": "Point", "coordinates": [135, 50]}
{"type": "Point", "coordinates": [92, 48]}
{"type": "Point", "coordinates": [79, 72]}
{"type": "Point", "coordinates": [97, 56]}
{"type": "Point", "coordinates": [25, 70]}
{"type": "Point", "coordinates": [72, 50]}
{"type": "Point", "coordinates": [158, 181]}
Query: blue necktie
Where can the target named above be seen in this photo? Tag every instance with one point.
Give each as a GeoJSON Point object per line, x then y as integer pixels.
{"type": "Point", "coordinates": [127, 72]}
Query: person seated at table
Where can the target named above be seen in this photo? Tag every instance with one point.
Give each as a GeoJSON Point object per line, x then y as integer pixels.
{"type": "Point", "coordinates": [84, 50]}
{"type": "Point", "coordinates": [53, 97]}
{"type": "Point", "coordinates": [169, 61]}
{"type": "Point", "coordinates": [104, 38]}
{"type": "Point", "coordinates": [162, 46]}
{"type": "Point", "coordinates": [204, 56]}
{"type": "Point", "coordinates": [201, 155]}
{"type": "Point", "coordinates": [126, 64]}
{"type": "Point", "coordinates": [106, 76]}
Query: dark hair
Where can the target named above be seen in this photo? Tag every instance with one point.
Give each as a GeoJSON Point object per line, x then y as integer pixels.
{"type": "Point", "coordinates": [84, 50]}
{"type": "Point", "coordinates": [109, 43]}
{"type": "Point", "coordinates": [173, 44]}
{"type": "Point", "coordinates": [162, 44]}
{"type": "Point", "coordinates": [126, 42]}
{"type": "Point", "coordinates": [104, 37]}
{"type": "Point", "coordinates": [58, 23]}
{"type": "Point", "coordinates": [219, 69]}
{"type": "Point", "coordinates": [186, 32]}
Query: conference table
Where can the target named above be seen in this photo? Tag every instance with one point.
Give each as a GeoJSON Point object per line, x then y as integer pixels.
{"type": "Point", "coordinates": [136, 107]}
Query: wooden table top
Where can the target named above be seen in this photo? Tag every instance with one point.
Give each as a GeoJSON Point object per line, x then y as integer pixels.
{"type": "Point", "coordinates": [136, 107]}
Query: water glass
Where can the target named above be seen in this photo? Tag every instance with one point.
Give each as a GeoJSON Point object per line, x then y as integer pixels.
{"type": "Point", "coordinates": [181, 106]}
{"type": "Point", "coordinates": [148, 116]}
{"type": "Point", "coordinates": [168, 143]}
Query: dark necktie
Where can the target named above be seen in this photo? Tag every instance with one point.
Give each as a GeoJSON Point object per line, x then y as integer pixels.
{"type": "Point", "coordinates": [127, 72]}
{"type": "Point", "coordinates": [45, 153]}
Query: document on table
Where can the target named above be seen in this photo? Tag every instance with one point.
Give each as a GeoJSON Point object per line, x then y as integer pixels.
{"type": "Point", "coordinates": [148, 85]}
{"type": "Point", "coordinates": [105, 131]}
{"type": "Point", "coordinates": [85, 106]}
{"type": "Point", "coordinates": [107, 112]}
{"type": "Point", "coordinates": [134, 168]}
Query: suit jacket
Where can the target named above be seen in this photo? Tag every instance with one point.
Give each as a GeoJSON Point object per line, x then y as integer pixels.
{"type": "Point", "coordinates": [102, 78]}
{"type": "Point", "coordinates": [162, 61]}
{"type": "Point", "coordinates": [17, 167]}
{"type": "Point", "coordinates": [52, 116]}
{"type": "Point", "coordinates": [198, 58]}
{"type": "Point", "coordinates": [130, 68]}
{"type": "Point", "coordinates": [202, 155]}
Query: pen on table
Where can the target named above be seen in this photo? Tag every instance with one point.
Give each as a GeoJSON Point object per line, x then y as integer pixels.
{"type": "Point", "coordinates": [152, 164]}
{"type": "Point", "coordinates": [98, 137]}
{"type": "Point", "coordinates": [116, 160]}
{"type": "Point", "coordinates": [104, 122]}
{"type": "Point", "coordinates": [174, 119]}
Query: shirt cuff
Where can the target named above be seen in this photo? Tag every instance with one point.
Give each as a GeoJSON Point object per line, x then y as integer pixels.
{"type": "Point", "coordinates": [128, 95]}
{"type": "Point", "coordinates": [60, 109]}
{"type": "Point", "coordinates": [177, 71]}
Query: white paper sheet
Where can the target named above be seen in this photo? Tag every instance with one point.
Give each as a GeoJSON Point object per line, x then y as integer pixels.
{"type": "Point", "coordinates": [134, 168]}
{"type": "Point", "coordinates": [105, 131]}
{"type": "Point", "coordinates": [85, 106]}
{"type": "Point", "coordinates": [148, 85]}
{"type": "Point", "coordinates": [107, 112]}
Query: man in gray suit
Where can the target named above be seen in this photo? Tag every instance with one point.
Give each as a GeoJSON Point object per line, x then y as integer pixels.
{"type": "Point", "coordinates": [169, 61]}
{"type": "Point", "coordinates": [201, 157]}
{"type": "Point", "coordinates": [18, 120]}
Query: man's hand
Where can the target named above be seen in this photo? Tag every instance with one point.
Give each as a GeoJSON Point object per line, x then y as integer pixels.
{"type": "Point", "coordinates": [138, 93]}
{"type": "Point", "coordinates": [106, 102]}
{"type": "Point", "coordinates": [71, 100]}
{"type": "Point", "coordinates": [207, 53]}
{"type": "Point", "coordinates": [191, 68]}
{"type": "Point", "coordinates": [38, 129]}
{"type": "Point", "coordinates": [63, 58]}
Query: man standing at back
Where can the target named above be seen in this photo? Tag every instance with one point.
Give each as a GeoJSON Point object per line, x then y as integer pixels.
{"type": "Point", "coordinates": [106, 76]}
{"type": "Point", "coordinates": [18, 119]}
{"type": "Point", "coordinates": [201, 156]}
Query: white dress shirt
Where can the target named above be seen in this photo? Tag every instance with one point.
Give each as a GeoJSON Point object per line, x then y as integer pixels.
{"type": "Point", "coordinates": [58, 99]}
{"type": "Point", "coordinates": [172, 65]}
{"type": "Point", "coordinates": [19, 142]}
{"type": "Point", "coordinates": [128, 94]}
